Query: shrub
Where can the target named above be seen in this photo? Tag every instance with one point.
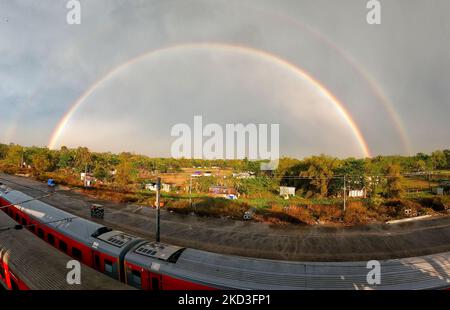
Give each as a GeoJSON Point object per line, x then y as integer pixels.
{"type": "Point", "coordinates": [434, 203]}
{"type": "Point", "coordinates": [356, 214]}
{"type": "Point", "coordinates": [326, 213]}
{"type": "Point", "coordinates": [179, 206]}
{"type": "Point", "coordinates": [301, 213]}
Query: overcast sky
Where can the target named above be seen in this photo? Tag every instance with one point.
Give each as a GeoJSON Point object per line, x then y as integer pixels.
{"type": "Point", "coordinates": [47, 64]}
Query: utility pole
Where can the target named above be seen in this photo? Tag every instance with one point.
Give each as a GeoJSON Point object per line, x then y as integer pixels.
{"type": "Point", "coordinates": [429, 181]}
{"type": "Point", "coordinates": [190, 192]}
{"type": "Point", "coordinates": [158, 187]}
{"type": "Point", "coordinates": [345, 192]}
{"type": "Point", "coordinates": [85, 175]}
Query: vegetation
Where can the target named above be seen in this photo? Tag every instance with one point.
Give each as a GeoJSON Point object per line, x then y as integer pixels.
{"type": "Point", "coordinates": [393, 185]}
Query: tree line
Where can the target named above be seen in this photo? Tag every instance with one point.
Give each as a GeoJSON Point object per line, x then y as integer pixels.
{"type": "Point", "coordinates": [318, 176]}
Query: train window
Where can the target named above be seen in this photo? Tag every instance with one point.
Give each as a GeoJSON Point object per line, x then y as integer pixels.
{"type": "Point", "coordinates": [136, 278]}
{"type": "Point", "coordinates": [40, 233]}
{"type": "Point", "coordinates": [32, 228]}
{"type": "Point", "coordinates": [76, 253]}
{"type": "Point", "coordinates": [51, 239]}
{"type": "Point", "coordinates": [108, 266]}
{"type": "Point", "coordinates": [155, 284]}
{"type": "Point", "coordinates": [63, 246]}
{"type": "Point", "coordinates": [24, 222]}
{"type": "Point", "coordinates": [2, 270]}
{"type": "Point", "coordinates": [14, 285]}
{"type": "Point", "coordinates": [17, 217]}
{"type": "Point", "coordinates": [97, 261]}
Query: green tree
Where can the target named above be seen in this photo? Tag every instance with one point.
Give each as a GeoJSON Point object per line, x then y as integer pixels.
{"type": "Point", "coordinates": [420, 165]}
{"type": "Point", "coordinates": [66, 158]}
{"type": "Point", "coordinates": [354, 170]}
{"type": "Point", "coordinates": [41, 161]}
{"type": "Point", "coordinates": [15, 155]}
{"type": "Point", "coordinates": [100, 172]}
{"type": "Point", "coordinates": [3, 151]}
{"type": "Point", "coordinates": [394, 187]}
{"type": "Point", "coordinates": [438, 160]}
{"type": "Point", "coordinates": [447, 157]}
{"type": "Point", "coordinates": [82, 158]}
{"type": "Point", "coordinates": [125, 170]}
{"type": "Point", "coordinates": [319, 173]}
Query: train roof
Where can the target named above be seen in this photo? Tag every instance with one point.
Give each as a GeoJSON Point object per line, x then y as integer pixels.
{"type": "Point", "coordinates": [147, 253]}
{"type": "Point", "coordinates": [225, 271]}
{"type": "Point", "coordinates": [41, 266]}
{"type": "Point", "coordinates": [432, 271]}
{"type": "Point", "coordinates": [92, 234]}
{"type": "Point", "coordinates": [115, 242]}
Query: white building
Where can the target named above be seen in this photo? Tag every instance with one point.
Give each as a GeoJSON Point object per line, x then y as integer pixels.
{"type": "Point", "coordinates": [287, 191]}
{"type": "Point", "coordinates": [357, 193]}
{"type": "Point", "coordinates": [164, 187]}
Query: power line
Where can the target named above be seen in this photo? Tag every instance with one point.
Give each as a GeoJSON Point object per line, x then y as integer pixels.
{"type": "Point", "coordinates": [25, 186]}
{"type": "Point", "coordinates": [20, 226]}
{"type": "Point", "coordinates": [25, 201]}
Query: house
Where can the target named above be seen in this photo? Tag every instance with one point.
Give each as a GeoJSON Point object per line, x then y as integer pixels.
{"type": "Point", "coordinates": [438, 191]}
{"type": "Point", "coordinates": [222, 190]}
{"type": "Point", "coordinates": [88, 179]}
{"type": "Point", "coordinates": [244, 175]}
{"type": "Point", "coordinates": [442, 189]}
{"type": "Point", "coordinates": [165, 187]}
{"type": "Point", "coordinates": [287, 191]}
{"type": "Point", "coordinates": [357, 193]}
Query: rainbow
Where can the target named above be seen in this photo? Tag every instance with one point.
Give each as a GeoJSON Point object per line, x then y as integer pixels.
{"type": "Point", "coordinates": [371, 82]}
{"type": "Point", "coordinates": [221, 47]}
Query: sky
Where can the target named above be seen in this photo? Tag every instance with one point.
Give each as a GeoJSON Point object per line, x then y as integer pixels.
{"type": "Point", "coordinates": [334, 84]}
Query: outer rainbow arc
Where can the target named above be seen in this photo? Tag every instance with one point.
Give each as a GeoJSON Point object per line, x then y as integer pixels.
{"type": "Point", "coordinates": [374, 86]}
{"type": "Point", "coordinates": [227, 47]}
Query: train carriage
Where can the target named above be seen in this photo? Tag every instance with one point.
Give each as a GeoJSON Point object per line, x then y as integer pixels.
{"type": "Point", "coordinates": [88, 242]}
{"type": "Point", "coordinates": [26, 262]}
{"type": "Point", "coordinates": [195, 269]}
{"type": "Point", "coordinates": [151, 265]}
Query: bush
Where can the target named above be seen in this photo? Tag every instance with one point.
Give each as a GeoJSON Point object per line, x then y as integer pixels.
{"type": "Point", "coordinates": [301, 213]}
{"type": "Point", "coordinates": [356, 214]}
{"type": "Point", "coordinates": [435, 203]}
{"type": "Point", "coordinates": [277, 214]}
{"type": "Point", "coordinates": [326, 213]}
{"type": "Point", "coordinates": [179, 206]}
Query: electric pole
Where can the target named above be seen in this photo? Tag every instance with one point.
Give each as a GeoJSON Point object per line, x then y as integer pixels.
{"type": "Point", "coordinates": [345, 192]}
{"type": "Point", "coordinates": [85, 175]}
{"type": "Point", "coordinates": [190, 192]}
{"type": "Point", "coordinates": [158, 187]}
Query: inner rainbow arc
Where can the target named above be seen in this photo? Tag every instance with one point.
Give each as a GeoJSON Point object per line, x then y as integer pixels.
{"type": "Point", "coordinates": [224, 47]}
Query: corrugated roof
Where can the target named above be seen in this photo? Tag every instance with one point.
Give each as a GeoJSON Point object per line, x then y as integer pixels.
{"type": "Point", "coordinates": [78, 228]}
{"type": "Point", "coordinates": [41, 266]}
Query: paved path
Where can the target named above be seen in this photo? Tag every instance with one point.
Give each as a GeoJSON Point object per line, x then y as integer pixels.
{"type": "Point", "coordinates": [305, 243]}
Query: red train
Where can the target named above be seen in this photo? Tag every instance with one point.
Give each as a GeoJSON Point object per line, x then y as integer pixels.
{"type": "Point", "coordinates": [156, 266]}
{"type": "Point", "coordinates": [24, 264]}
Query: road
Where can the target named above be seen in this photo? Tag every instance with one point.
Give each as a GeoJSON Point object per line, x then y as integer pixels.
{"type": "Point", "coordinates": [290, 242]}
